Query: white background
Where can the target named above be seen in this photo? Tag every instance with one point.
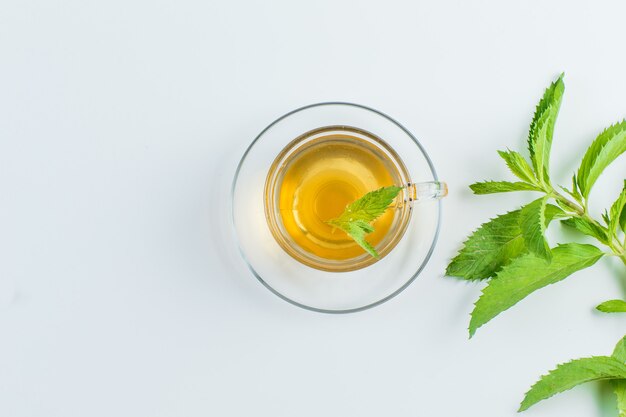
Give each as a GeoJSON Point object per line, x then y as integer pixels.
{"type": "Point", "coordinates": [121, 123]}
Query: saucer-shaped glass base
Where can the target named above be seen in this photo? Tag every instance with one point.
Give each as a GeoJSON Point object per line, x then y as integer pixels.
{"type": "Point", "coordinates": [313, 289]}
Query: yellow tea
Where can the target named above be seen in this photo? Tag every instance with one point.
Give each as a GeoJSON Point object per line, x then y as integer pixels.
{"type": "Point", "coordinates": [320, 179]}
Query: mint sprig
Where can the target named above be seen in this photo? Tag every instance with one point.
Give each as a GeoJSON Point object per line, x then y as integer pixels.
{"type": "Point", "coordinates": [512, 254]}
{"type": "Point", "coordinates": [357, 217]}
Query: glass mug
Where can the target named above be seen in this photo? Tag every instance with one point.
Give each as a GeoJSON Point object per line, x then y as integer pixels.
{"type": "Point", "coordinates": [317, 175]}
{"type": "Point", "coordinates": [302, 170]}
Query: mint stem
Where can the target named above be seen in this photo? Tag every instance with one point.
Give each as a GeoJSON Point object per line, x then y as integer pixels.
{"type": "Point", "coordinates": [582, 212]}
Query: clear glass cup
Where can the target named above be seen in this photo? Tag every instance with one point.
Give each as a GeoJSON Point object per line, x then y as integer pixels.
{"type": "Point", "coordinates": [378, 149]}
{"type": "Point", "coordinates": [307, 280]}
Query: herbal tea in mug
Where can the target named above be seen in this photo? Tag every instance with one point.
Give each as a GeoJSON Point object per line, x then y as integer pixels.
{"type": "Point", "coordinates": [324, 207]}
{"type": "Point", "coordinates": [321, 173]}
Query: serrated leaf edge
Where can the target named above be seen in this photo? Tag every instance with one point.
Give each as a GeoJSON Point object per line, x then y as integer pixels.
{"type": "Point", "coordinates": [465, 242]}
{"type": "Point", "coordinates": [524, 407]}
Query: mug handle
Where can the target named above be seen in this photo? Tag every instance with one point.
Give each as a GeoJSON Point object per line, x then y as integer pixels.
{"type": "Point", "coordinates": [427, 191]}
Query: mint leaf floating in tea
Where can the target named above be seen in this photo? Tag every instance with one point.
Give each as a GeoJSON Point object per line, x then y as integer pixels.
{"type": "Point", "coordinates": [357, 218]}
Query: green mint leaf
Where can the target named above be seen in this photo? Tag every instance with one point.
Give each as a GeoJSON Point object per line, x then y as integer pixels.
{"type": "Point", "coordinates": [616, 215]}
{"type": "Point", "coordinates": [533, 225]}
{"type": "Point", "coordinates": [553, 212]}
{"type": "Point", "coordinates": [518, 165]}
{"type": "Point", "coordinates": [356, 218]}
{"type": "Point", "coordinates": [579, 371]}
{"type": "Point", "coordinates": [612, 306]}
{"type": "Point", "coordinates": [543, 143]}
{"type": "Point", "coordinates": [619, 352]}
{"type": "Point", "coordinates": [610, 144]}
{"type": "Point", "coordinates": [369, 207]}
{"type": "Point", "coordinates": [562, 205]}
{"type": "Point", "coordinates": [490, 247]}
{"type": "Point", "coordinates": [574, 192]}
{"type": "Point", "coordinates": [620, 386]}
{"type": "Point", "coordinates": [542, 129]}
{"type": "Point", "coordinates": [492, 187]}
{"type": "Point", "coordinates": [493, 245]}
{"type": "Point", "coordinates": [569, 192]}
{"type": "Point", "coordinates": [357, 231]}
{"type": "Point", "coordinates": [568, 375]}
{"type": "Point", "coordinates": [529, 273]}
{"type": "Point", "coordinates": [587, 228]}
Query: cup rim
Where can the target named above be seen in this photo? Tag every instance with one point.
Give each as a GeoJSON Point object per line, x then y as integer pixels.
{"type": "Point", "coordinates": [284, 240]}
{"type": "Point", "coordinates": [258, 276]}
